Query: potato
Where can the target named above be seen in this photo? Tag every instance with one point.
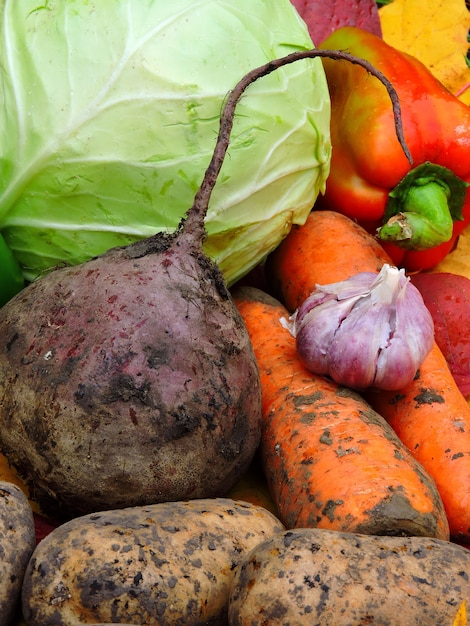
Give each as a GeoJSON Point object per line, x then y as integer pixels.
{"type": "Point", "coordinates": [321, 577]}
{"type": "Point", "coordinates": [167, 563]}
{"type": "Point", "coordinates": [17, 542]}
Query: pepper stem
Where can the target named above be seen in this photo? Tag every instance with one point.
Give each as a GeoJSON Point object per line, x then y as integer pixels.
{"type": "Point", "coordinates": [422, 208]}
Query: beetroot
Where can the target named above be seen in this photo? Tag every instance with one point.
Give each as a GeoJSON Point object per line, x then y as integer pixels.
{"type": "Point", "coordinates": [130, 379]}
{"type": "Point", "coordinates": [447, 297]}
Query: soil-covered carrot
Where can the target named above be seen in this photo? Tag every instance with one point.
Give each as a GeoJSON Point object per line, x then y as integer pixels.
{"type": "Point", "coordinates": [329, 459]}
{"type": "Point", "coordinates": [432, 418]}
{"type": "Point", "coordinates": [328, 248]}
{"type": "Point", "coordinates": [430, 415]}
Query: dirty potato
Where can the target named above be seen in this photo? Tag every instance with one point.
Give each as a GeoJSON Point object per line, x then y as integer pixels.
{"type": "Point", "coordinates": [166, 564]}
{"type": "Point", "coordinates": [17, 542]}
{"type": "Point", "coordinates": [329, 578]}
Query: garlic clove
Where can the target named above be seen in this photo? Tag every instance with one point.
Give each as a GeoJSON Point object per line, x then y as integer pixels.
{"type": "Point", "coordinates": [358, 341]}
{"type": "Point", "coordinates": [409, 342]}
{"type": "Point", "coordinates": [315, 333]}
{"type": "Point", "coordinates": [372, 330]}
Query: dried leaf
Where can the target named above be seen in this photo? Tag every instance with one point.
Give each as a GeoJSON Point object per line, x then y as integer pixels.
{"type": "Point", "coordinates": [435, 32]}
{"type": "Point", "coordinates": [323, 17]}
{"type": "Point", "coordinates": [457, 261]}
{"type": "Point", "coordinates": [461, 617]}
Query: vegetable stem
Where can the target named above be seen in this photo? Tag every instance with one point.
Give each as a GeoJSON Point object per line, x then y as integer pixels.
{"type": "Point", "coordinates": [422, 208]}
{"type": "Point", "coordinates": [426, 223]}
{"type": "Point", "coordinates": [192, 221]}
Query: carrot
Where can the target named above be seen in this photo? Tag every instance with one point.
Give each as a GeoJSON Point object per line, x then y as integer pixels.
{"type": "Point", "coordinates": [328, 248]}
{"type": "Point", "coordinates": [432, 418]}
{"type": "Point", "coordinates": [331, 461]}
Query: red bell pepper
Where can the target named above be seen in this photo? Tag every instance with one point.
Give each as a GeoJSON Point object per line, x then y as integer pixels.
{"type": "Point", "coordinates": [417, 210]}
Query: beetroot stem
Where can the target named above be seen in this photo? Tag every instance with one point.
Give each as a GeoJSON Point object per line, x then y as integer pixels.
{"type": "Point", "coordinates": [193, 223]}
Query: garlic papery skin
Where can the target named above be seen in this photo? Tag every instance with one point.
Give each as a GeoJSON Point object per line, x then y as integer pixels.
{"type": "Point", "coordinates": [372, 330]}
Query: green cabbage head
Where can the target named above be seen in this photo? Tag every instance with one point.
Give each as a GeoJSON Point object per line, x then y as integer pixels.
{"type": "Point", "coordinates": [109, 118]}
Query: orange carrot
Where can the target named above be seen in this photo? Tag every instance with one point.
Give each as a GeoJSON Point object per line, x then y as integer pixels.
{"type": "Point", "coordinates": [432, 418]}
{"type": "Point", "coordinates": [328, 248]}
{"type": "Point", "coordinates": [330, 460]}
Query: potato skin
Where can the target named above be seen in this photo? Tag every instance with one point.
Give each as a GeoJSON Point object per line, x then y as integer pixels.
{"type": "Point", "coordinates": [329, 578]}
{"type": "Point", "coordinates": [17, 542]}
{"type": "Point", "coordinates": [168, 563]}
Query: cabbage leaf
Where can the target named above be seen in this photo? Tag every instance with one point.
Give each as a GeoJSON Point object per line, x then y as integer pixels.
{"type": "Point", "coordinates": [109, 118]}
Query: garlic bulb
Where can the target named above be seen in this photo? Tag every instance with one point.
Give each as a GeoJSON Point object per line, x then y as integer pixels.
{"type": "Point", "coordinates": [372, 330]}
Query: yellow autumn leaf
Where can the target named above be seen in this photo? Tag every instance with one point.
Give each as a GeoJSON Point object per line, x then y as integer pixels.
{"type": "Point", "coordinates": [457, 261]}
{"type": "Point", "coordinates": [461, 617]}
{"type": "Point", "coordinates": [435, 32]}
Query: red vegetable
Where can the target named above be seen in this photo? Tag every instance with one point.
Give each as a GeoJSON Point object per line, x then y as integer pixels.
{"type": "Point", "coordinates": [43, 526]}
{"type": "Point", "coordinates": [419, 208]}
{"type": "Point", "coordinates": [447, 296]}
{"type": "Point", "coordinates": [322, 18]}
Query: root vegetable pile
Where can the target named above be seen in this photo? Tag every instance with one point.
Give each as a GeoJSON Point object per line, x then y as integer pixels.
{"type": "Point", "coordinates": [329, 459]}
{"type": "Point", "coordinates": [137, 379]}
{"type": "Point", "coordinates": [430, 414]}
